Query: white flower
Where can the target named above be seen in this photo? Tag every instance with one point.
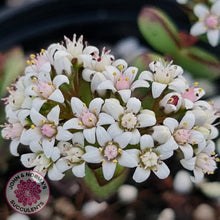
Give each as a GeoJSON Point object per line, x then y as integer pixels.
{"type": "Point", "coordinates": [43, 131]}
{"type": "Point", "coordinates": [72, 155]}
{"type": "Point", "coordinates": [163, 76]}
{"type": "Point", "coordinates": [42, 163]}
{"type": "Point", "coordinates": [203, 162]}
{"type": "Point", "coordinates": [110, 152]}
{"type": "Point", "coordinates": [185, 134]}
{"type": "Point", "coordinates": [14, 129]}
{"type": "Point", "coordinates": [191, 95]}
{"type": "Point", "coordinates": [75, 47]}
{"type": "Point", "coordinates": [128, 119]}
{"type": "Point", "coordinates": [122, 82]}
{"type": "Point", "coordinates": [42, 88]}
{"type": "Point", "coordinates": [59, 58]}
{"type": "Point", "coordinates": [171, 103]}
{"type": "Point", "coordinates": [88, 119]}
{"type": "Point", "coordinates": [209, 22]}
{"type": "Point", "coordinates": [205, 114]}
{"type": "Point", "coordinates": [150, 158]}
{"type": "Point", "coordinates": [161, 134]}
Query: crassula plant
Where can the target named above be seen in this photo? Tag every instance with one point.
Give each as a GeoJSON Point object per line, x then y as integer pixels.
{"type": "Point", "coordinates": [81, 110]}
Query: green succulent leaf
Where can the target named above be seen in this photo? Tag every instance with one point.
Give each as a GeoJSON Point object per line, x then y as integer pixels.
{"type": "Point", "coordinates": [158, 30]}
{"type": "Point", "coordinates": [100, 187]}
{"type": "Point", "coordinates": [198, 62]}
{"type": "Point", "coordinates": [13, 66]}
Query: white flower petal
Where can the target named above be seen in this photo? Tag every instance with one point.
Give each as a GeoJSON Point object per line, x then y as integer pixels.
{"type": "Point", "coordinates": [188, 164]}
{"type": "Point", "coordinates": [102, 136]}
{"type": "Point", "coordinates": [216, 8]}
{"type": "Point", "coordinates": [135, 139]}
{"type": "Point", "coordinates": [188, 120]}
{"type": "Point", "coordinates": [108, 169]}
{"type": "Point", "coordinates": [56, 96]}
{"type": "Point", "coordinates": [35, 146]}
{"type": "Point", "coordinates": [62, 165]}
{"type": "Point", "coordinates": [36, 117]}
{"type": "Point", "coordinates": [79, 170]}
{"type": "Point", "coordinates": [200, 10]}
{"type": "Point", "coordinates": [178, 85]}
{"type": "Point", "coordinates": [171, 123]}
{"type": "Point", "coordinates": [125, 94]}
{"type": "Point", "coordinates": [108, 84]}
{"type": "Point", "coordinates": [213, 37]}
{"type": "Point", "coordinates": [63, 134]}
{"type": "Point", "coordinates": [48, 146]}
{"type": "Point", "coordinates": [146, 75]}
{"type": "Point", "coordinates": [140, 174]}
{"type": "Point", "coordinates": [97, 79]}
{"type": "Point", "coordinates": [133, 105]}
{"type": "Point", "coordinates": [89, 134]}
{"type": "Point", "coordinates": [145, 119]}
{"type": "Point", "coordinates": [27, 160]}
{"type": "Point", "coordinates": [123, 139]}
{"type": "Point", "coordinates": [170, 145]}
{"type": "Point", "coordinates": [88, 74]}
{"type": "Point", "coordinates": [55, 154]}
{"type": "Point", "coordinates": [187, 151]}
{"type": "Point", "coordinates": [96, 105]}
{"type": "Point", "coordinates": [198, 175]}
{"type": "Point", "coordinates": [198, 28]}
{"type": "Point", "coordinates": [210, 148]}
{"type": "Point", "coordinates": [78, 138]}
{"type": "Point", "coordinates": [73, 123]}
{"type": "Point", "coordinates": [127, 160]}
{"type": "Point", "coordinates": [131, 72]}
{"type": "Point", "coordinates": [109, 72]}
{"type": "Point", "coordinates": [53, 115]}
{"type": "Point", "coordinates": [157, 89]}
{"type": "Point", "coordinates": [113, 108]}
{"type": "Point", "coordinates": [59, 80]}
{"type": "Point", "coordinates": [14, 147]}
{"type": "Point", "coordinates": [92, 155]}
{"type": "Point", "coordinates": [105, 119]}
{"type": "Point", "coordinates": [77, 106]}
{"type": "Point", "coordinates": [139, 84]}
{"type": "Point", "coordinates": [163, 171]}
{"type": "Point", "coordinates": [114, 130]}
{"type": "Point", "coordinates": [55, 174]}
{"type": "Point", "coordinates": [37, 103]}
{"type": "Point", "coordinates": [146, 141]}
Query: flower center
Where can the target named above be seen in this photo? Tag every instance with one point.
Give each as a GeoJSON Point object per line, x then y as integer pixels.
{"type": "Point", "coordinates": [163, 76]}
{"type": "Point", "coordinates": [211, 21]}
{"type": "Point", "coordinates": [89, 119]}
{"type": "Point", "coordinates": [206, 163]}
{"type": "Point", "coordinates": [129, 121]}
{"type": "Point", "coordinates": [49, 130]}
{"type": "Point", "coordinates": [182, 136]}
{"type": "Point", "coordinates": [150, 160]}
{"type": "Point", "coordinates": [45, 89]}
{"type": "Point", "coordinates": [111, 151]}
{"type": "Point", "coordinates": [122, 82]}
{"type": "Point", "coordinates": [173, 100]}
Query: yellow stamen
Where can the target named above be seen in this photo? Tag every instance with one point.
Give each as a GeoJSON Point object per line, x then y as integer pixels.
{"type": "Point", "coordinates": [90, 120]}
{"type": "Point", "coordinates": [119, 150]}
{"type": "Point", "coordinates": [185, 124]}
{"type": "Point", "coordinates": [217, 159]}
{"type": "Point", "coordinates": [103, 160]}
{"type": "Point", "coordinates": [100, 149]}
{"type": "Point", "coordinates": [42, 51]}
{"type": "Point", "coordinates": [175, 67]}
{"type": "Point", "coordinates": [49, 83]}
{"type": "Point", "coordinates": [196, 128]}
{"type": "Point", "coordinates": [211, 172]}
{"type": "Point", "coordinates": [133, 71]}
{"type": "Point", "coordinates": [194, 142]}
{"type": "Point", "coordinates": [119, 79]}
{"type": "Point", "coordinates": [110, 143]}
{"type": "Point", "coordinates": [32, 56]}
{"type": "Point", "coordinates": [28, 62]}
{"type": "Point", "coordinates": [213, 153]}
{"type": "Point", "coordinates": [34, 79]}
{"type": "Point", "coordinates": [126, 79]}
{"type": "Point", "coordinates": [32, 126]}
{"type": "Point", "coordinates": [120, 67]}
{"type": "Point", "coordinates": [114, 74]}
{"type": "Point", "coordinates": [33, 88]}
{"type": "Point", "coordinates": [115, 161]}
{"type": "Point", "coordinates": [79, 123]}
{"type": "Point", "coordinates": [171, 100]}
{"type": "Point", "coordinates": [84, 105]}
{"type": "Point", "coordinates": [200, 89]}
{"type": "Point", "coordinates": [196, 84]}
{"type": "Point", "coordinates": [43, 121]}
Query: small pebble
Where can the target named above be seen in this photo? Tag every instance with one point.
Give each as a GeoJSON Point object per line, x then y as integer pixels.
{"type": "Point", "coordinates": [127, 193]}
{"type": "Point", "coordinates": [204, 212]}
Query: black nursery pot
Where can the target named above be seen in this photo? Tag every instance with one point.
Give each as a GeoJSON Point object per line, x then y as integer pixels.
{"type": "Point", "coordinates": [36, 25]}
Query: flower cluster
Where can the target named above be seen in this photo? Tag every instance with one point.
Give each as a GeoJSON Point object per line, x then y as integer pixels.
{"type": "Point", "coordinates": [75, 106]}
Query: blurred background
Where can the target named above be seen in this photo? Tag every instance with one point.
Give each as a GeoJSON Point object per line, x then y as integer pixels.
{"type": "Point", "coordinates": [26, 26]}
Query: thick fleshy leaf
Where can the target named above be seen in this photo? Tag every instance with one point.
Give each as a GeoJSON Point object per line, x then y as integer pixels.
{"type": "Point", "coordinates": [158, 30]}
